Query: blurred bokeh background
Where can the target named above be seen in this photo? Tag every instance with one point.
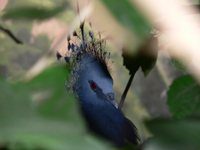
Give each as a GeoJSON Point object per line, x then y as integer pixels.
{"type": "Point", "coordinates": [38, 112]}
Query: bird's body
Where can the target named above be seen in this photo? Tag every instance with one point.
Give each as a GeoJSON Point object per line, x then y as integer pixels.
{"type": "Point", "coordinates": [100, 112]}
{"type": "Point", "coordinates": [93, 86]}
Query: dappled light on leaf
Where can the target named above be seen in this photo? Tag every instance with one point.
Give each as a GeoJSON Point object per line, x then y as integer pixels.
{"type": "Point", "coordinates": [184, 97]}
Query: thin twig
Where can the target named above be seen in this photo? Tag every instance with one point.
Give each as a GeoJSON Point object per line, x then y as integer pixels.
{"type": "Point", "coordinates": [11, 35]}
{"type": "Point", "coordinates": [128, 85]}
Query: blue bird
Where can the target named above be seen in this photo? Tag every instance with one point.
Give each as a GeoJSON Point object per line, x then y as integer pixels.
{"type": "Point", "coordinates": [93, 86]}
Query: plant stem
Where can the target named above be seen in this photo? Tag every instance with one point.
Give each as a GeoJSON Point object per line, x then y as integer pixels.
{"type": "Point", "coordinates": [128, 85]}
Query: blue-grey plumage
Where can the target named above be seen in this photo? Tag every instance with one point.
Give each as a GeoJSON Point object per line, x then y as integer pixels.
{"type": "Point", "coordinates": [89, 68]}
{"type": "Point", "coordinates": [93, 86]}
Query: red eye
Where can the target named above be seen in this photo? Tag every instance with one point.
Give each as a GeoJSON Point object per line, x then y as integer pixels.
{"type": "Point", "coordinates": [93, 85]}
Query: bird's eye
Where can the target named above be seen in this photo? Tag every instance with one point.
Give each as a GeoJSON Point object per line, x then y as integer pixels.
{"type": "Point", "coordinates": [93, 85]}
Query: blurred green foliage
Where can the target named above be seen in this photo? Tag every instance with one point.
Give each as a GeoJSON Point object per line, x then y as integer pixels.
{"type": "Point", "coordinates": [129, 16]}
{"type": "Point", "coordinates": [42, 114]}
{"type": "Point", "coordinates": [184, 97]}
{"type": "Point", "coordinates": [32, 12]}
{"type": "Point", "coordinates": [182, 131]}
{"type": "Point", "coordinates": [47, 121]}
{"type": "Point", "coordinates": [174, 134]}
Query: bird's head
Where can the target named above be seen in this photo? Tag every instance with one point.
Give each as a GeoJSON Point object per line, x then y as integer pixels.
{"type": "Point", "coordinates": [105, 97]}
{"type": "Point", "coordinates": [91, 79]}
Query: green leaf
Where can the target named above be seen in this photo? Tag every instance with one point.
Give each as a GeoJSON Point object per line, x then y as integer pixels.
{"type": "Point", "coordinates": [174, 134]}
{"type": "Point", "coordinates": [184, 97]}
{"type": "Point", "coordinates": [32, 12]}
{"type": "Point", "coordinates": [56, 101]}
{"type": "Point", "coordinates": [128, 15]}
{"type": "Point", "coordinates": [56, 126]}
{"type": "Point", "coordinates": [145, 57]}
